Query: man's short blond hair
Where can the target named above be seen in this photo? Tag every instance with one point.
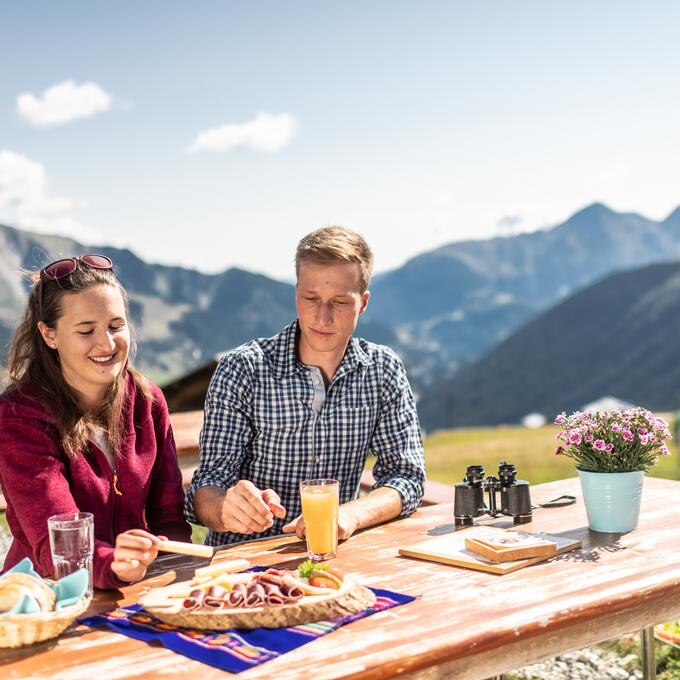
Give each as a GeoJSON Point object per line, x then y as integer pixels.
{"type": "Point", "coordinates": [335, 245]}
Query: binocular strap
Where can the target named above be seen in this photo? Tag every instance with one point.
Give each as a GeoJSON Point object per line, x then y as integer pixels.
{"type": "Point", "coordinates": [558, 502]}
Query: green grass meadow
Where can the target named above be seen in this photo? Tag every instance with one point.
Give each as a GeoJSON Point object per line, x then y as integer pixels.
{"type": "Point", "coordinates": [449, 452]}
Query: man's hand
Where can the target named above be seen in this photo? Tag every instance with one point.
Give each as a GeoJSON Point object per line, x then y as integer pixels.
{"type": "Point", "coordinates": [348, 523]}
{"type": "Point", "coordinates": [247, 510]}
{"type": "Point", "coordinates": [134, 551]}
{"type": "Point", "coordinates": [381, 505]}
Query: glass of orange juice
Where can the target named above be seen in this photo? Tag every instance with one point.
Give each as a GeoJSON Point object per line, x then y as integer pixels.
{"type": "Point", "coordinates": [320, 505]}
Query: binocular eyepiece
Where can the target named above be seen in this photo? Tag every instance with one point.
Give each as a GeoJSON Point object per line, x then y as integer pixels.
{"type": "Point", "coordinates": [469, 495]}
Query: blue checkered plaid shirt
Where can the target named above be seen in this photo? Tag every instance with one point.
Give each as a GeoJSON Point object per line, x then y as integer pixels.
{"type": "Point", "coordinates": [262, 424]}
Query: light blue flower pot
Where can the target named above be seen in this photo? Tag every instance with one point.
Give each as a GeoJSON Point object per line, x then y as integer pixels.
{"type": "Point", "coordinates": [612, 499]}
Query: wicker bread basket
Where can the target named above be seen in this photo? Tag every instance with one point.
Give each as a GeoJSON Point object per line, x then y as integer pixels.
{"type": "Point", "coordinates": [18, 630]}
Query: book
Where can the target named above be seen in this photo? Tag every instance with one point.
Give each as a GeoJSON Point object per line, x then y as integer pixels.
{"type": "Point", "coordinates": [451, 549]}
{"type": "Point", "coordinates": [511, 545]}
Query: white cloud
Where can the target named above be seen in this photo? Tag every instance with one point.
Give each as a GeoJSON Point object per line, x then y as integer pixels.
{"type": "Point", "coordinates": [267, 132]}
{"type": "Point", "coordinates": [25, 201]}
{"type": "Point", "coordinates": [63, 103]}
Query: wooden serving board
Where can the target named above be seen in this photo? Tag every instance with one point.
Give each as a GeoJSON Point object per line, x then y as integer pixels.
{"type": "Point", "coordinates": [450, 549]}
{"type": "Point", "coordinates": [349, 599]}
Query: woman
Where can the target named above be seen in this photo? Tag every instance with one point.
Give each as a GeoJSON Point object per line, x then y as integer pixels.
{"type": "Point", "coordinates": [81, 430]}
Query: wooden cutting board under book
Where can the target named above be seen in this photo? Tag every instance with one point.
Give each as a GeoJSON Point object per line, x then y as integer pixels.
{"type": "Point", "coordinates": [451, 549]}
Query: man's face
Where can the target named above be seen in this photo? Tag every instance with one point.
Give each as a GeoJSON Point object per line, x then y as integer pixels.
{"type": "Point", "coordinates": [328, 301]}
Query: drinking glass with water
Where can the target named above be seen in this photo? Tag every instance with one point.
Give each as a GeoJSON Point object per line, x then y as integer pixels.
{"type": "Point", "coordinates": [72, 543]}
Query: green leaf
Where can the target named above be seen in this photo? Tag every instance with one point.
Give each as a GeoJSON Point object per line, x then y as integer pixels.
{"type": "Point", "coordinates": [307, 567]}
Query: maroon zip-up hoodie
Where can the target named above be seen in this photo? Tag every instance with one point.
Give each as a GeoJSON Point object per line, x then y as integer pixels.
{"type": "Point", "coordinates": [38, 479]}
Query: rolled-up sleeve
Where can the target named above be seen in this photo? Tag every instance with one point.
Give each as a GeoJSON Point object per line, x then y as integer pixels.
{"type": "Point", "coordinates": [227, 428]}
{"type": "Point", "coordinates": [397, 442]}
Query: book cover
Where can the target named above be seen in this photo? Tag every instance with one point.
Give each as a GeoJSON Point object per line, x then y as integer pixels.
{"type": "Point", "coordinates": [450, 549]}
{"type": "Point", "coordinates": [511, 545]}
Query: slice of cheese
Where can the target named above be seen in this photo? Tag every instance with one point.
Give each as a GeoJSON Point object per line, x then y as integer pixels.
{"type": "Point", "coordinates": [224, 567]}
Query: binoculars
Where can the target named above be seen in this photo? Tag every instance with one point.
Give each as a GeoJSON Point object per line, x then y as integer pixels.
{"type": "Point", "coordinates": [469, 498]}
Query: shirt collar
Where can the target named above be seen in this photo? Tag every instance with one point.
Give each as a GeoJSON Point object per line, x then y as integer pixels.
{"type": "Point", "coordinates": [286, 363]}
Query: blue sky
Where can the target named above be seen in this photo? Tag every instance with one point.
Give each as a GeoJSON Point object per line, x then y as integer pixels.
{"type": "Point", "coordinates": [416, 123]}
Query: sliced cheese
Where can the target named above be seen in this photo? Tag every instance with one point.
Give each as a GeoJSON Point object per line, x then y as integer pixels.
{"type": "Point", "coordinates": [224, 567]}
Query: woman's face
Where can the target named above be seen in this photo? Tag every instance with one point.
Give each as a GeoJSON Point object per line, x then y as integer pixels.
{"type": "Point", "coordinates": [92, 338]}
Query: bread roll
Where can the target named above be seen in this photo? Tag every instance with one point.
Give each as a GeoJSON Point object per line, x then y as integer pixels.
{"type": "Point", "coordinates": [13, 582]}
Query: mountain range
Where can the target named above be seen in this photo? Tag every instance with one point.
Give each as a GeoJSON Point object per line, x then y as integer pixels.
{"type": "Point", "coordinates": [458, 301]}
{"type": "Point", "coordinates": [183, 317]}
{"type": "Point", "coordinates": [618, 336]}
{"type": "Point", "coordinates": [444, 310]}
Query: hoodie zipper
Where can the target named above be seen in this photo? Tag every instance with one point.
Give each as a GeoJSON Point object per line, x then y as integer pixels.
{"type": "Point", "coordinates": [116, 490]}
{"type": "Point", "coordinates": [114, 503]}
{"type": "Point", "coordinates": [114, 487]}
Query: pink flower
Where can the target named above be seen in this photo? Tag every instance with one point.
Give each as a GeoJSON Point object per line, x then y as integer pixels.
{"type": "Point", "coordinates": [636, 435]}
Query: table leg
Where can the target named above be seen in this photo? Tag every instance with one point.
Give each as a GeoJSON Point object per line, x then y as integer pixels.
{"type": "Point", "coordinates": [648, 653]}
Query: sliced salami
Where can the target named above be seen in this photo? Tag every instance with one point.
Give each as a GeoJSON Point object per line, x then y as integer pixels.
{"type": "Point", "coordinates": [194, 601]}
{"type": "Point", "coordinates": [256, 595]}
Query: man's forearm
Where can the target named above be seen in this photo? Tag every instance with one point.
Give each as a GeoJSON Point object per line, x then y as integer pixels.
{"type": "Point", "coordinates": [208, 506]}
{"type": "Point", "coordinates": [381, 505]}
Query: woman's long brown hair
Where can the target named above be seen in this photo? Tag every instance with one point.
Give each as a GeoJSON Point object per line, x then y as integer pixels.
{"type": "Point", "coordinates": [32, 361]}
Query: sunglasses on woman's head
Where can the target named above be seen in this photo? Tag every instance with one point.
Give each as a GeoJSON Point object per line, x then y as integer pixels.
{"type": "Point", "coordinates": [60, 269]}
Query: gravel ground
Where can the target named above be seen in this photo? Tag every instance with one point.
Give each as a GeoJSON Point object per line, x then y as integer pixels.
{"type": "Point", "coordinates": [585, 664]}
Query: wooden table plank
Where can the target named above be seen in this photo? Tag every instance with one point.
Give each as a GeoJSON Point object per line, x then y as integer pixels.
{"type": "Point", "coordinates": [464, 623]}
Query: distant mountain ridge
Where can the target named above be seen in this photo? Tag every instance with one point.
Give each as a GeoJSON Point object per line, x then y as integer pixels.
{"type": "Point", "coordinates": [183, 317]}
{"type": "Point", "coordinates": [460, 300]}
{"type": "Point", "coordinates": [619, 336]}
{"type": "Point", "coordinates": [441, 310]}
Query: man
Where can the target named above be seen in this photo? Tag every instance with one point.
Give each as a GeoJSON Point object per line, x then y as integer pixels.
{"type": "Point", "coordinates": [309, 403]}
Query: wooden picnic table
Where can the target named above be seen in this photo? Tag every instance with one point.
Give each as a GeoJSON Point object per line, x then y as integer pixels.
{"type": "Point", "coordinates": [465, 624]}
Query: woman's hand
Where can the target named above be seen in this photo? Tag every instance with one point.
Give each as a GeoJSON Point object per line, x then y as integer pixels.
{"type": "Point", "coordinates": [134, 551]}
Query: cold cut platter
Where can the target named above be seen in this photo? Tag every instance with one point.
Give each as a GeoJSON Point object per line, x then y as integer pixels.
{"type": "Point", "coordinates": [217, 598]}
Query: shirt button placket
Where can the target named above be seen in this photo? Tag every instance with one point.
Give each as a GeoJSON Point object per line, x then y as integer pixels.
{"type": "Point", "coordinates": [317, 405]}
